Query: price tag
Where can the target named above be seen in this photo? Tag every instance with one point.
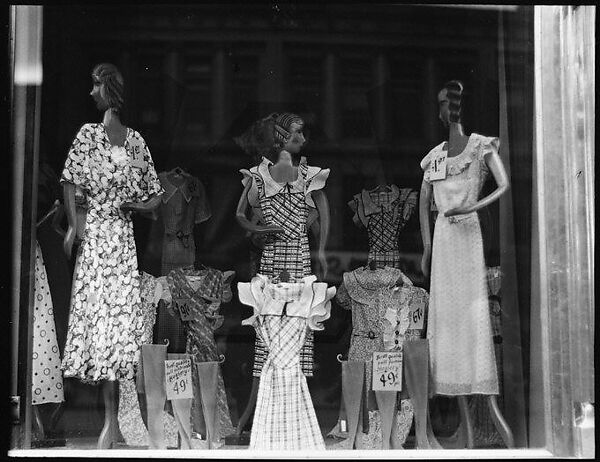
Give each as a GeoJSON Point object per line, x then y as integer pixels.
{"type": "Point", "coordinates": [137, 151]}
{"type": "Point", "coordinates": [184, 308]}
{"type": "Point", "coordinates": [437, 168]}
{"type": "Point", "coordinates": [178, 375]}
{"type": "Point", "coordinates": [417, 316]}
{"type": "Point", "coordinates": [387, 370]}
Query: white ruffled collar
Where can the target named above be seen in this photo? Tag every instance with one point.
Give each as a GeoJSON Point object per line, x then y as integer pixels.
{"type": "Point", "coordinates": [273, 187]}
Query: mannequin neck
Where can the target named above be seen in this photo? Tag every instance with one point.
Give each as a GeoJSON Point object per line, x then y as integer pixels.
{"type": "Point", "coordinates": [288, 159]}
{"type": "Point", "coordinates": [456, 130]}
{"type": "Point", "coordinates": [111, 118]}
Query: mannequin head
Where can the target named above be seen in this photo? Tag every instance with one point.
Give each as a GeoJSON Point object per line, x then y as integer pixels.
{"type": "Point", "coordinates": [257, 141]}
{"type": "Point", "coordinates": [287, 132]}
{"type": "Point", "coordinates": [449, 101]}
{"type": "Point", "coordinates": [107, 90]}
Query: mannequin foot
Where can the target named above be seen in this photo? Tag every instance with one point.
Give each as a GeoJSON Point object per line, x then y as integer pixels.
{"type": "Point", "coordinates": [107, 437]}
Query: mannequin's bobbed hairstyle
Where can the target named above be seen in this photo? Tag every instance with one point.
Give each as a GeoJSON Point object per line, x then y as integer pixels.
{"type": "Point", "coordinates": [454, 92]}
{"type": "Point", "coordinates": [113, 88]}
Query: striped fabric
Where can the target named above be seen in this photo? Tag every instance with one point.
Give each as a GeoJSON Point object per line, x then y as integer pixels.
{"type": "Point", "coordinates": [288, 251]}
{"type": "Point", "coordinates": [384, 214]}
{"type": "Point", "coordinates": [285, 418]}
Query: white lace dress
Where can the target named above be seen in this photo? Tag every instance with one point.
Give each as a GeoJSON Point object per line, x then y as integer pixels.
{"type": "Point", "coordinates": [459, 328]}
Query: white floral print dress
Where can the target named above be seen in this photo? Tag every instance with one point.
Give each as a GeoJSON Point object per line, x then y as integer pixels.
{"type": "Point", "coordinates": [106, 309]}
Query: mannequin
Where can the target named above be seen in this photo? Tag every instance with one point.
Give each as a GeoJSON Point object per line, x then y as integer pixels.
{"type": "Point", "coordinates": [456, 291]}
{"type": "Point", "coordinates": [284, 132]}
{"type": "Point", "coordinates": [112, 165]}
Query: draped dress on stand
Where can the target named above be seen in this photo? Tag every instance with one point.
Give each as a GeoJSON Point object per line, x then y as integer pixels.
{"type": "Point", "coordinates": [459, 327]}
{"type": "Point", "coordinates": [384, 214]}
{"type": "Point", "coordinates": [199, 294]}
{"type": "Point", "coordinates": [47, 379]}
{"type": "Point", "coordinates": [129, 414]}
{"type": "Point", "coordinates": [288, 205]}
{"type": "Point", "coordinates": [285, 418]}
{"type": "Point", "coordinates": [380, 322]}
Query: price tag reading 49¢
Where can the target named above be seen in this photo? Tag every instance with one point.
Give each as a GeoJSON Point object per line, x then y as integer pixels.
{"type": "Point", "coordinates": [387, 370]}
{"type": "Point", "coordinates": [178, 375]}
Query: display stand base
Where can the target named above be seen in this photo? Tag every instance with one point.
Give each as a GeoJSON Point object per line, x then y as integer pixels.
{"type": "Point", "coordinates": [238, 440]}
{"type": "Point", "coordinates": [48, 443]}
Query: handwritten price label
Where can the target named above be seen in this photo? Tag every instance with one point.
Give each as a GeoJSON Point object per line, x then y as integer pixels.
{"type": "Point", "coordinates": [137, 150]}
{"type": "Point", "coordinates": [387, 370]}
{"type": "Point", "coordinates": [184, 308]}
{"type": "Point", "coordinates": [178, 375]}
{"type": "Point", "coordinates": [417, 316]}
{"type": "Point", "coordinates": [437, 169]}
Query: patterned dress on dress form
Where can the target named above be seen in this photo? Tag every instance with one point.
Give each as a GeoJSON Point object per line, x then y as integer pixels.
{"type": "Point", "coordinates": [285, 418]}
{"type": "Point", "coordinates": [202, 299]}
{"type": "Point", "coordinates": [459, 327]}
{"type": "Point", "coordinates": [184, 204]}
{"type": "Point", "coordinates": [129, 415]}
{"type": "Point", "coordinates": [47, 380]}
{"type": "Point", "coordinates": [379, 324]}
{"type": "Point", "coordinates": [384, 214]}
{"type": "Point", "coordinates": [287, 205]}
{"type": "Point", "coordinates": [106, 307]}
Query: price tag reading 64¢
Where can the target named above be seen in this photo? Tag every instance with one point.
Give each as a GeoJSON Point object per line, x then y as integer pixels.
{"type": "Point", "coordinates": [387, 370]}
{"type": "Point", "coordinates": [178, 375]}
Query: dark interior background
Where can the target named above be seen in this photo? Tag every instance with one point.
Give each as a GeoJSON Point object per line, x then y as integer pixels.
{"type": "Point", "coordinates": [364, 77]}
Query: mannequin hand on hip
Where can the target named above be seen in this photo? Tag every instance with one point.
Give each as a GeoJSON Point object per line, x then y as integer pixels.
{"type": "Point", "coordinates": [268, 229]}
{"type": "Point", "coordinates": [457, 211]}
{"type": "Point", "coordinates": [69, 240]}
{"type": "Point", "coordinates": [426, 261]}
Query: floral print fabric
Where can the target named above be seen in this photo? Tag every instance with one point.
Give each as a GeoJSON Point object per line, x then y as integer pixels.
{"type": "Point", "coordinates": [106, 308]}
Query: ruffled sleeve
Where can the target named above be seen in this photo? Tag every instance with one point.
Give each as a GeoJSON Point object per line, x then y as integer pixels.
{"type": "Point", "coordinates": [316, 178]}
{"type": "Point", "coordinates": [354, 204]}
{"type": "Point", "coordinates": [251, 294]}
{"type": "Point", "coordinates": [343, 297]}
{"type": "Point", "coordinates": [487, 145]}
{"type": "Point", "coordinates": [409, 205]}
{"type": "Point", "coordinates": [252, 176]}
{"type": "Point", "coordinates": [149, 184]}
{"type": "Point", "coordinates": [76, 170]}
{"type": "Point", "coordinates": [320, 309]}
{"type": "Point", "coordinates": [426, 161]}
{"type": "Point", "coordinates": [203, 211]}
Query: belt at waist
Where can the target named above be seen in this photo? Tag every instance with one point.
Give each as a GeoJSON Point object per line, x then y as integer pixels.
{"type": "Point", "coordinates": [185, 238]}
{"type": "Point", "coordinates": [367, 334]}
{"type": "Point", "coordinates": [458, 218]}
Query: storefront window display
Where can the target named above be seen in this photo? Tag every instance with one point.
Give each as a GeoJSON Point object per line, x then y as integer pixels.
{"type": "Point", "coordinates": [271, 229]}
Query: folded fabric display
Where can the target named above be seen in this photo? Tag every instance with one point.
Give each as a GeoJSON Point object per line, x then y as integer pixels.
{"type": "Point", "coordinates": [283, 314]}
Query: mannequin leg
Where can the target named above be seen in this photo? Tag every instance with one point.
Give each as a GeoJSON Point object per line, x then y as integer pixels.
{"type": "Point", "coordinates": [153, 357]}
{"type": "Point", "coordinates": [416, 368]}
{"type": "Point", "coordinates": [56, 415]}
{"type": "Point", "coordinates": [249, 407]}
{"type": "Point", "coordinates": [182, 412]}
{"type": "Point", "coordinates": [465, 421]}
{"type": "Point", "coordinates": [37, 422]}
{"type": "Point", "coordinates": [353, 376]}
{"type": "Point", "coordinates": [386, 402]}
{"type": "Point", "coordinates": [108, 436]}
{"type": "Point", "coordinates": [500, 423]}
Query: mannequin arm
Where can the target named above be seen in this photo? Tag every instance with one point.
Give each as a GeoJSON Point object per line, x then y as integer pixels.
{"type": "Point", "coordinates": [322, 204]}
{"type": "Point", "coordinates": [147, 206]}
{"type": "Point", "coordinates": [240, 216]}
{"type": "Point", "coordinates": [496, 166]}
{"type": "Point", "coordinates": [69, 201]}
{"type": "Point", "coordinates": [424, 214]}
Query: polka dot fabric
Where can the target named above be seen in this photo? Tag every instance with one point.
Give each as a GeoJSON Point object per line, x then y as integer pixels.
{"type": "Point", "coordinates": [47, 380]}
